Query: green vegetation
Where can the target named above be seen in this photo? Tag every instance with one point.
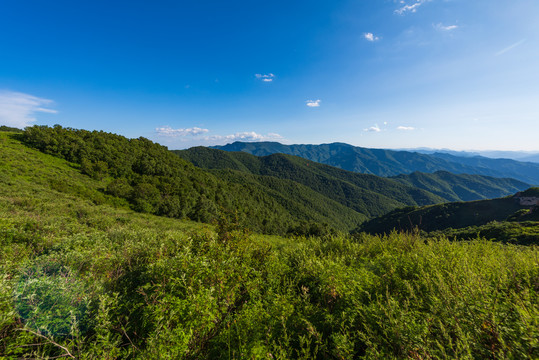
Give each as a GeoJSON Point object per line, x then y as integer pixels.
{"type": "Point", "coordinates": [523, 233]}
{"type": "Point", "coordinates": [391, 163]}
{"type": "Point", "coordinates": [462, 187]}
{"type": "Point", "coordinates": [9, 129]}
{"type": "Point", "coordinates": [154, 180]}
{"type": "Point", "coordinates": [84, 276]}
{"type": "Point", "coordinates": [501, 219]}
{"type": "Point", "coordinates": [367, 194]}
{"type": "Point", "coordinates": [438, 217]}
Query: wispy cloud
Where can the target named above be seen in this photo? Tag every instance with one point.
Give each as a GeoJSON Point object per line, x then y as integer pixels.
{"type": "Point", "coordinates": [245, 136]}
{"type": "Point", "coordinates": [510, 47]}
{"type": "Point", "coordinates": [442, 27]}
{"type": "Point", "coordinates": [265, 77]}
{"type": "Point", "coordinates": [168, 131]}
{"type": "Point", "coordinates": [313, 103]}
{"type": "Point", "coordinates": [405, 128]}
{"type": "Point", "coordinates": [410, 7]}
{"type": "Point", "coordinates": [19, 109]}
{"type": "Point", "coordinates": [371, 37]}
{"type": "Point", "coordinates": [374, 128]}
{"type": "Point", "coordinates": [199, 136]}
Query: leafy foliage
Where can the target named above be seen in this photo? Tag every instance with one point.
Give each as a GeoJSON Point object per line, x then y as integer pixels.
{"type": "Point", "coordinates": [155, 181]}
{"type": "Point", "coordinates": [522, 233]}
{"type": "Point", "coordinates": [83, 276]}
{"type": "Point", "coordinates": [367, 194]}
{"type": "Point", "coordinates": [10, 129]}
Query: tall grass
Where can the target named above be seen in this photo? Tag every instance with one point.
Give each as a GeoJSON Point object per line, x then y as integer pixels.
{"type": "Point", "coordinates": [80, 278]}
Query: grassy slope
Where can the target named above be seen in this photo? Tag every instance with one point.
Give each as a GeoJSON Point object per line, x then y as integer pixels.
{"type": "Point", "coordinates": [82, 278]}
{"type": "Point", "coordinates": [51, 197]}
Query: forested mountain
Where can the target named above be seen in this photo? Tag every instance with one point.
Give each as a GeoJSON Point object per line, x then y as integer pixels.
{"type": "Point", "coordinates": [368, 194]}
{"type": "Point", "coordinates": [524, 171]}
{"type": "Point", "coordinates": [353, 189]}
{"type": "Point", "coordinates": [272, 194]}
{"type": "Point", "coordinates": [154, 180]}
{"type": "Point", "coordinates": [455, 215]}
{"type": "Point", "coordinates": [462, 187]}
{"type": "Point", "coordinates": [391, 163]}
{"type": "Point", "coordinates": [523, 156]}
{"type": "Point", "coordinates": [83, 276]}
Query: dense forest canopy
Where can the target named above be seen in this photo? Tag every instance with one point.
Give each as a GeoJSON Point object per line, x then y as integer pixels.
{"type": "Point", "coordinates": [156, 181]}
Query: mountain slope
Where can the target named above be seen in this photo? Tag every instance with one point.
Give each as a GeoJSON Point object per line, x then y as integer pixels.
{"type": "Point", "coordinates": [456, 215]}
{"type": "Point", "coordinates": [368, 194]}
{"type": "Point", "coordinates": [353, 189]}
{"type": "Point", "coordinates": [86, 280]}
{"type": "Point", "coordinates": [524, 171]}
{"type": "Point", "coordinates": [151, 179]}
{"type": "Point", "coordinates": [390, 163]}
{"type": "Point", "coordinates": [462, 187]}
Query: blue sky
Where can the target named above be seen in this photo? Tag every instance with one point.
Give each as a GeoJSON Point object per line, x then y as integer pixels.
{"type": "Point", "coordinates": [455, 74]}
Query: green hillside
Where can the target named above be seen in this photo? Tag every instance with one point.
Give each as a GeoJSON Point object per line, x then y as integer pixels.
{"type": "Point", "coordinates": [391, 163]}
{"type": "Point", "coordinates": [153, 180]}
{"type": "Point", "coordinates": [457, 215]}
{"type": "Point", "coordinates": [370, 195]}
{"type": "Point", "coordinates": [462, 187]}
{"type": "Point", "coordinates": [83, 276]}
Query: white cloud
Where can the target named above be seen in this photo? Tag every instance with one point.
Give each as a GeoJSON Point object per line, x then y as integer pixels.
{"type": "Point", "coordinates": [199, 135]}
{"type": "Point", "coordinates": [168, 131]}
{"type": "Point", "coordinates": [412, 7]}
{"type": "Point", "coordinates": [510, 47]}
{"type": "Point", "coordinates": [19, 109]}
{"type": "Point", "coordinates": [245, 136]}
{"type": "Point", "coordinates": [405, 128]}
{"type": "Point", "coordinates": [374, 128]}
{"type": "Point", "coordinates": [265, 77]}
{"type": "Point", "coordinates": [442, 27]}
{"type": "Point", "coordinates": [313, 103]}
{"type": "Point", "coordinates": [370, 37]}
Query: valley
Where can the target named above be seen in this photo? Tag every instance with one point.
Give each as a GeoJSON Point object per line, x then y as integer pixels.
{"type": "Point", "coordinates": [117, 248]}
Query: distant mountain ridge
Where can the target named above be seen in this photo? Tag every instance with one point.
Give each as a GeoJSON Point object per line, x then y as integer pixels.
{"type": "Point", "coordinates": [525, 156]}
{"type": "Point", "coordinates": [367, 194]}
{"type": "Point", "coordinates": [391, 163]}
{"type": "Point", "coordinates": [462, 187]}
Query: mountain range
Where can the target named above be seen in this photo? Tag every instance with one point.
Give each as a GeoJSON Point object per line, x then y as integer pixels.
{"type": "Point", "coordinates": [391, 163]}
{"type": "Point", "coordinates": [90, 271]}
{"type": "Point", "coordinates": [369, 195]}
{"type": "Point", "coordinates": [274, 194]}
{"type": "Point", "coordinates": [526, 156]}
